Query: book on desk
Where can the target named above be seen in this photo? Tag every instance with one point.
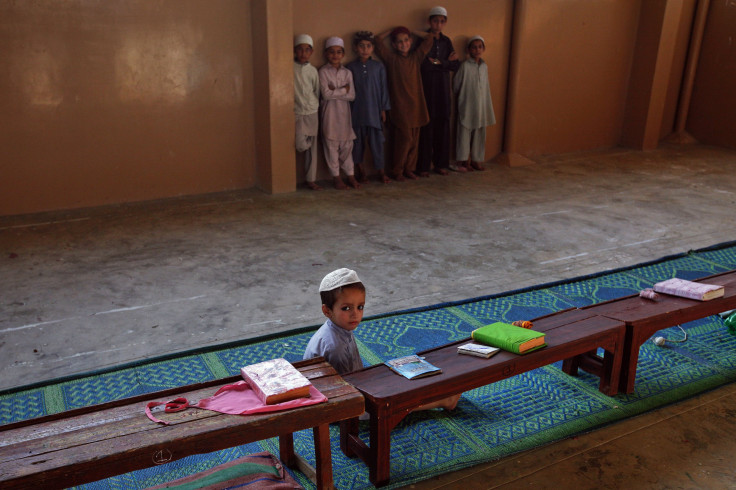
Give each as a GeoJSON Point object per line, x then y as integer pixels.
{"type": "Point", "coordinates": [412, 367]}
{"type": "Point", "coordinates": [509, 337]}
{"type": "Point", "coordinates": [276, 381]}
{"type": "Point", "coordinates": [689, 289]}
{"type": "Point", "coordinates": [478, 350]}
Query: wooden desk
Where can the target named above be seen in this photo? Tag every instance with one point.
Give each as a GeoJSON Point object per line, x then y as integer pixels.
{"type": "Point", "coordinates": [644, 317]}
{"type": "Point", "coordinates": [92, 443]}
{"type": "Point", "coordinates": [389, 397]}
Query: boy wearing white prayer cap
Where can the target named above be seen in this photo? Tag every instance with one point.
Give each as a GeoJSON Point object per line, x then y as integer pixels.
{"type": "Point", "coordinates": [306, 106]}
{"type": "Point", "coordinates": [434, 138]}
{"type": "Point", "coordinates": [343, 300]}
{"type": "Point", "coordinates": [336, 86]}
{"type": "Point", "coordinates": [474, 107]}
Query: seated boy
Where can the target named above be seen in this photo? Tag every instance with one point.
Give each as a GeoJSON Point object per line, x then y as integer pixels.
{"type": "Point", "coordinates": [343, 300]}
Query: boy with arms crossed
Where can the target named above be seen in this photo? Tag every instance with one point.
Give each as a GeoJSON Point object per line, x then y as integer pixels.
{"type": "Point", "coordinates": [336, 86]}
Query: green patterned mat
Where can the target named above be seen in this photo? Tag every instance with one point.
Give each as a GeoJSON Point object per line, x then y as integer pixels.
{"type": "Point", "coordinates": [491, 422]}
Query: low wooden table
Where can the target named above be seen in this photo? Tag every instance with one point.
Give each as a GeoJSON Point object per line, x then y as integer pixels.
{"type": "Point", "coordinates": [92, 443]}
{"type": "Point", "coordinates": [644, 317]}
{"type": "Point", "coordinates": [389, 397]}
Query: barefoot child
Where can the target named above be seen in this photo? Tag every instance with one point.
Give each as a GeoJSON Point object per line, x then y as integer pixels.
{"type": "Point", "coordinates": [474, 107]}
{"type": "Point", "coordinates": [343, 299]}
{"type": "Point", "coordinates": [408, 107]}
{"type": "Point", "coordinates": [336, 86]}
{"type": "Point", "coordinates": [434, 138]}
{"type": "Point", "coordinates": [306, 105]}
{"type": "Point", "coordinates": [370, 105]}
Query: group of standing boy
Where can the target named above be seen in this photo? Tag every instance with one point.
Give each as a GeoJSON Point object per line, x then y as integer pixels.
{"type": "Point", "coordinates": [413, 83]}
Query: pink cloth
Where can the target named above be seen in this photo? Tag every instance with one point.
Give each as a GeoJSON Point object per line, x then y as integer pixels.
{"type": "Point", "coordinates": [240, 399]}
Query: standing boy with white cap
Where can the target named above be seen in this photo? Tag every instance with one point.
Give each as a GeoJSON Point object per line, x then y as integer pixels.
{"type": "Point", "coordinates": [336, 86]}
{"type": "Point", "coordinates": [306, 106]}
{"type": "Point", "coordinates": [343, 299]}
{"type": "Point", "coordinates": [434, 138]}
{"type": "Point", "coordinates": [474, 106]}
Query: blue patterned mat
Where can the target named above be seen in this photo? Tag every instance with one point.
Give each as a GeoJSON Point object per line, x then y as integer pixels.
{"type": "Point", "coordinates": [491, 422]}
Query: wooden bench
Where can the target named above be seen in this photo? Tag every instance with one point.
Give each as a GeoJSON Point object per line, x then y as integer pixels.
{"type": "Point", "coordinates": [389, 397]}
{"type": "Point", "coordinates": [89, 444]}
{"type": "Point", "coordinates": [644, 317]}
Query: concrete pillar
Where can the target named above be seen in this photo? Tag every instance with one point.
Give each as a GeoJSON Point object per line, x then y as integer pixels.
{"type": "Point", "coordinates": [273, 80]}
{"type": "Point", "coordinates": [650, 73]}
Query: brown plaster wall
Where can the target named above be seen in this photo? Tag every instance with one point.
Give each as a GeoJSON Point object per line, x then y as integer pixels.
{"type": "Point", "coordinates": [570, 74]}
{"type": "Point", "coordinates": [712, 114]}
{"type": "Point", "coordinates": [107, 102]}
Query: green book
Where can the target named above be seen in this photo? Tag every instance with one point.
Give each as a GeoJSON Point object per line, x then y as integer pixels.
{"type": "Point", "coordinates": [509, 337]}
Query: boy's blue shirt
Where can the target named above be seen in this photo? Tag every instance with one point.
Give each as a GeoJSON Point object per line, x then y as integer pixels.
{"type": "Point", "coordinates": [337, 345]}
{"type": "Point", "coordinates": [371, 93]}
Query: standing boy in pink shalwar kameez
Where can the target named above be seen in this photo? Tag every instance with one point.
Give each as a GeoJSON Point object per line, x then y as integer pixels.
{"type": "Point", "coordinates": [336, 86]}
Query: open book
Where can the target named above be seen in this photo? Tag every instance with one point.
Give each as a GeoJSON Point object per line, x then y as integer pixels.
{"type": "Point", "coordinates": [689, 289]}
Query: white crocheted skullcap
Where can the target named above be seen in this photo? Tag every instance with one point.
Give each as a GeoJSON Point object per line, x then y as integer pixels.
{"type": "Point", "coordinates": [303, 39]}
{"type": "Point", "coordinates": [437, 11]}
{"type": "Point", "coordinates": [476, 38]}
{"type": "Point", "coordinates": [337, 279]}
{"type": "Point", "coordinates": [334, 41]}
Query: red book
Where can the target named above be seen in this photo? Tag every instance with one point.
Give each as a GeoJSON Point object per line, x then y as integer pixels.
{"type": "Point", "coordinates": [276, 381]}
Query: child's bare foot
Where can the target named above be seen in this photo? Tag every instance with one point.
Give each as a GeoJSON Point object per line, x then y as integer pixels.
{"type": "Point", "coordinates": [468, 167]}
{"type": "Point", "coordinates": [314, 186]}
{"type": "Point", "coordinates": [352, 182]}
{"type": "Point", "coordinates": [448, 403]}
{"type": "Point", "coordinates": [382, 177]}
{"type": "Point", "coordinates": [441, 171]}
{"type": "Point", "coordinates": [339, 184]}
{"type": "Point", "coordinates": [399, 178]}
{"type": "Point", "coordinates": [410, 175]}
{"type": "Point", "coordinates": [477, 166]}
{"type": "Point", "coordinates": [424, 174]}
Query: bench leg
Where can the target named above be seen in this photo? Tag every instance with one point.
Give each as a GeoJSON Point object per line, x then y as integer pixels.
{"type": "Point", "coordinates": [323, 456]}
{"type": "Point", "coordinates": [321, 475]}
{"type": "Point", "coordinates": [630, 360]}
{"type": "Point", "coordinates": [286, 450]}
{"type": "Point", "coordinates": [348, 430]}
{"type": "Point", "coordinates": [379, 467]}
{"type": "Point", "coordinates": [570, 366]}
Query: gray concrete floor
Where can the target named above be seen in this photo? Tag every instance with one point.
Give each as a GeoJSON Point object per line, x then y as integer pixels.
{"type": "Point", "coordinates": [94, 288]}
